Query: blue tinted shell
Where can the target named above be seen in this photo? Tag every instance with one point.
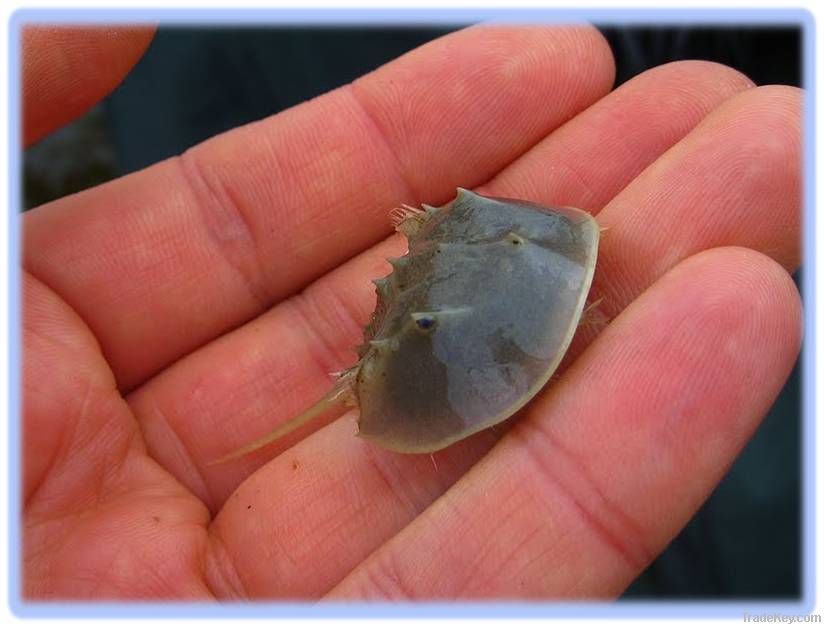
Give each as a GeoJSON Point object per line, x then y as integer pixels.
{"type": "Point", "coordinates": [474, 320]}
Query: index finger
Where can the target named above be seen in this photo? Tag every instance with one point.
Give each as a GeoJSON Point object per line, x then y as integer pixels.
{"type": "Point", "coordinates": [162, 261]}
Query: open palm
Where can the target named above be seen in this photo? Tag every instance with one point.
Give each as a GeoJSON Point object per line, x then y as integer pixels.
{"type": "Point", "coordinates": [179, 312]}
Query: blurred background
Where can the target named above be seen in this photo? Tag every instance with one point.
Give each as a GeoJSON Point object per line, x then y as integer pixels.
{"type": "Point", "coordinates": [196, 82]}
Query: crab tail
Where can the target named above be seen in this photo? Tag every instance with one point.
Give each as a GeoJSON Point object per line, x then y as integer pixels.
{"type": "Point", "coordinates": [340, 395]}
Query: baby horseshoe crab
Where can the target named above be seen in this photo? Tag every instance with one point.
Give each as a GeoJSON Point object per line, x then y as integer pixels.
{"type": "Point", "coordinates": [469, 326]}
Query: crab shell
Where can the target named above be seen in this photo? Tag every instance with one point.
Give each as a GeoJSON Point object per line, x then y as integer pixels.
{"type": "Point", "coordinates": [474, 320]}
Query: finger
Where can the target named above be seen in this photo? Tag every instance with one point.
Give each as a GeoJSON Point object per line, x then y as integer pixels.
{"type": "Point", "coordinates": [759, 108]}
{"type": "Point", "coordinates": [194, 412]}
{"type": "Point", "coordinates": [606, 468]}
{"type": "Point", "coordinates": [589, 160]}
{"type": "Point", "coordinates": [201, 244]}
{"type": "Point", "coordinates": [61, 350]}
{"type": "Point", "coordinates": [707, 192]}
{"type": "Point", "coordinates": [67, 69]}
{"type": "Point", "coordinates": [408, 490]}
{"type": "Point", "coordinates": [99, 518]}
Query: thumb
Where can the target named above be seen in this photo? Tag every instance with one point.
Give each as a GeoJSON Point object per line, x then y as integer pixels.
{"type": "Point", "coordinates": [68, 69]}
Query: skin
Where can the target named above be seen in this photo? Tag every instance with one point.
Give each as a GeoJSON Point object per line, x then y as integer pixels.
{"type": "Point", "coordinates": [178, 312]}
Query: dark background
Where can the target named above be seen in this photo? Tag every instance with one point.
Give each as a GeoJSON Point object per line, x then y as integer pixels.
{"type": "Point", "coordinates": [196, 82]}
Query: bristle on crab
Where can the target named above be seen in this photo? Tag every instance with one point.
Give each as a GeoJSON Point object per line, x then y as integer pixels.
{"type": "Point", "coordinates": [593, 316]}
{"type": "Point", "coordinates": [408, 220]}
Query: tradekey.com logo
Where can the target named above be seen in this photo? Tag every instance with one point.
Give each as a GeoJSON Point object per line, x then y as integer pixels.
{"type": "Point", "coordinates": [787, 619]}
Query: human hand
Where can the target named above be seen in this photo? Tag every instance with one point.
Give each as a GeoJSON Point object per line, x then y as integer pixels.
{"type": "Point", "coordinates": [177, 313]}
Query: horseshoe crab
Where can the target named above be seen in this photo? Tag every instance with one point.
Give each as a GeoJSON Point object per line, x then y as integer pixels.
{"type": "Point", "coordinates": [470, 324]}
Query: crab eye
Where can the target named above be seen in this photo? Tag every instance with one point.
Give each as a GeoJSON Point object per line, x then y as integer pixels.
{"type": "Point", "coordinates": [514, 239]}
{"type": "Point", "coordinates": [425, 323]}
